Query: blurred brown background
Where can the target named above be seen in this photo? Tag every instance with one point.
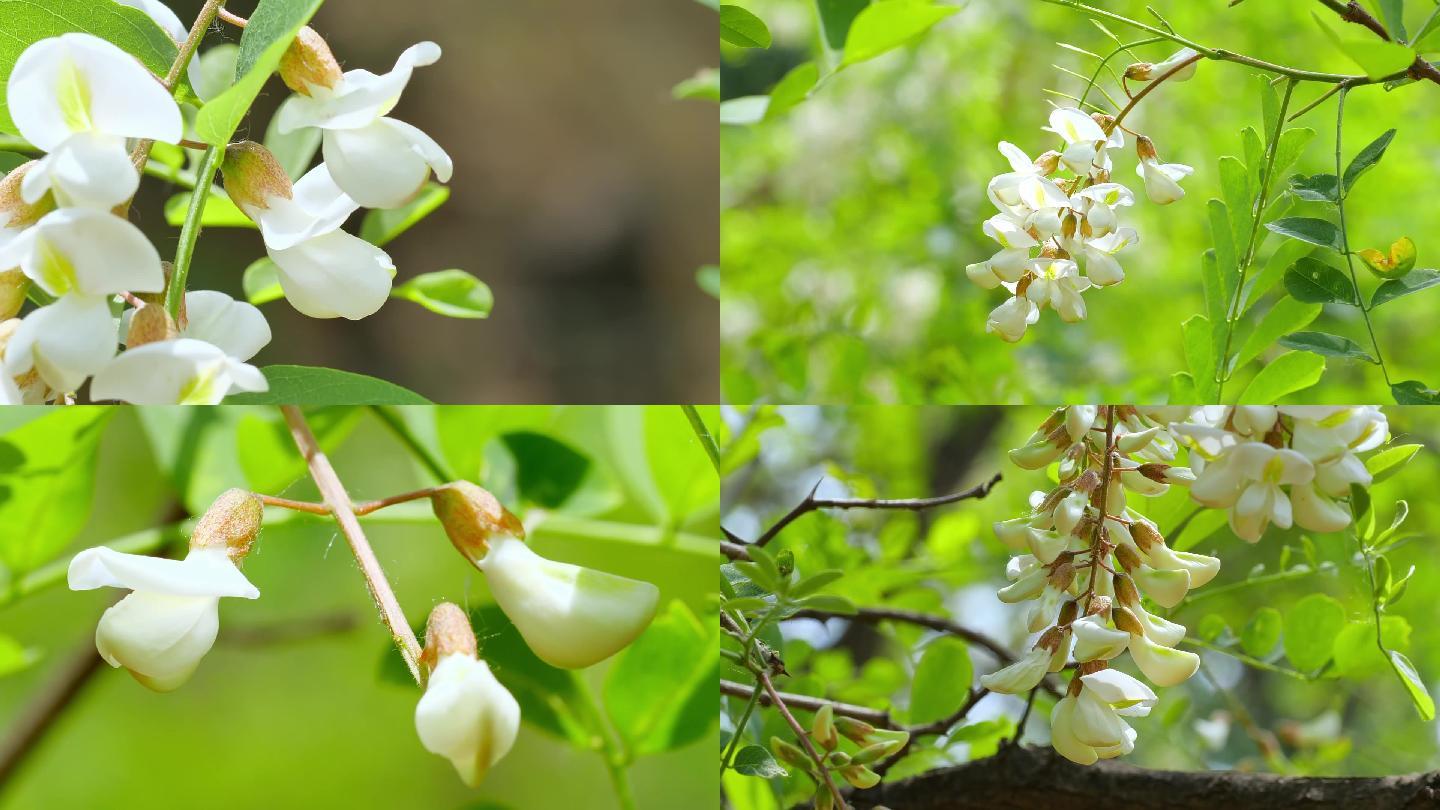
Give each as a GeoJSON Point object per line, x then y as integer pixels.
{"type": "Point", "coordinates": [584, 195]}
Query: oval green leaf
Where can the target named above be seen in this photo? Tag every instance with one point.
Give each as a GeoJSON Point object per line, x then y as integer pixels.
{"type": "Point", "coordinates": [1308, 229]}
{"type": "Point", "coordinates": [884, 26]}
{"type": "Point", "coordinates": [741, 28]}
{"type": "Point", "coordinates": [1286, 374]}
{"type": "Point", "coordinates": [1311, 627]}
{"type": "Point", "coordinates": [1316, 282]}
{"type": "Point", "coordinates": [942, 680]}
{"type": "Point", "coordinates": [452, 293]}
{"type": "Point", "coordinates": [1326, 344]}
{"type": "Point", "coordinates": [308, 385]}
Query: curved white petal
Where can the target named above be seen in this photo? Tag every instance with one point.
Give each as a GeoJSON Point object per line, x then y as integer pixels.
{"type": "Point", "coordinates": [334, 275]}
{"type": "Point", "coordinates": [65, 342]}
{"type": "Point", "coordinates": [1164, 666]}
{"type": "Point", "coordinates": [1095, 641]}
{"type": "Point", "coordinates": [383, 165]}
{"type": "Point", "coordinates": [1062, 734]}
{"type": "Point", "coordinates": [203, 572]}
{"type": "Point", "coordinates": [361, 96]}
{"type": "Point", "coordinates": [87, 170]}
{"type": "Point", "coordinates": [467, 716]}
{"type": "Point", "coordinates": [184, 371]}
{"type": "Point", "coordinates": [317, 207]}
{"type": "Point", "coordinates": [90, 252]}
{"type": "Point", "coordinates": [158, 637]}
{"type": "Point", "coordinates": [1021, 676]}
{"type": "Point", "coordinates": [235, 327]}
{"type": "Point", "coordinates": [82, 83]}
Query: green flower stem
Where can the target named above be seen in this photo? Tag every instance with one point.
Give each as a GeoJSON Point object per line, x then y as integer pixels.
{"type": "Point", "coordinates": [703, 434]}
{"type": "Point", "coordinates": [190, 230]}
{"type": "Point", "coordinates": [1345, 239]}
{"type": "Point", "coordinates": [1242, 657]}
{"type": "Point", "coordinates": [1266, 579]}
{"type": "Point", "coordinates": [1232, 315]}
{"type": "Point", "coordinates": [391, 418]}
{"type": "Point", "coordinates": [609, 745]}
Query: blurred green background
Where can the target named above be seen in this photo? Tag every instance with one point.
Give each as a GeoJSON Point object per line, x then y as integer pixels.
{"type": "Point", "coordinates": [293, 706]}
{"type": "Point", "coordinates": [947, 561]}
{"type": "Point", "coordinates": [847, 222]}
{"type": "Point", "coordinates": [583, 195]}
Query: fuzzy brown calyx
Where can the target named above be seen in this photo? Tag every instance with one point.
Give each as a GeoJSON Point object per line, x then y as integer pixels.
{"type": "Point", "coordinates": [470, 514]}
{"type": "Point", "coordinates": [1145, 148]}
{"type": "Point", "coordinates": [1125, 590]}
{"type": "Point", "coordinates": [1128, 557]}
{"type": "Point", "coordinates": [1146, 535]}
{"type": "Point", "coordinates": [15, 213]}
{"type": "Point", "coordinates": [232, 522]}
{"type": "Point", "coordinates": [1126, 620]}
{"type": "Point", "coordinates": [253, 176]}
{"type": "Point", "coordinates": [150, 324]}
{"type": "Point", "coordinates": [447, 632]}
{"type": "Point", "coordinates": [309, 62]}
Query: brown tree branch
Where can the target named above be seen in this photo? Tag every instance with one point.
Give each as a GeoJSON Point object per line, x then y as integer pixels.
{"type": "Point", "coordinates": [1021, 778]}
{"type": "Point", "coordinates": [42, 710]}
{"type": "Point", "coordinates": [1353, 12]}
{"type": "Point", "coordinates": [777, 700]}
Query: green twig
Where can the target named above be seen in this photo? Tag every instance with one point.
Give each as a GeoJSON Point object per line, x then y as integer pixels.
{"type": "Point", "coordinates": [397, 425]}
{"type": "Point", "coordinates": [1297, 572]}
{"type": "Point", "coordinates": [1247, 659]}
{"type": "Point", "coordinates": [1257, 212]}
{"type": "Point", "coordinates": [703, 434]}
{"type": "Point", "coordinates": [190, 230]}
{"type": "Point", "coordinates": [729, 755]}
{"type": "Point", "coordinates": [609, 746]}
{"type": "Point", "coordinates": [1342, 192]}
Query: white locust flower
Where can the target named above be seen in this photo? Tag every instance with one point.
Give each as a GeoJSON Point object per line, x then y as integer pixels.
{"type": "Point", "coordinates": [379, 161]}
{"type": "Point", "coordinates": [63, 343]}
{"type": "Point", "coordinates": [169, 621]}
{"type": "Point", "coordinates": [183, 371]}
{"type": "Point", "coordinates": [79, 97]}
{"type": "Point", "coordinates": [1020, 677]}
{"type": "Point", "coordinates": [1247, 480]}
{"type": "Point", "coordinates": [1162, 180]}
{"type": "Point", "coordinates": [570, 616]}
{"type": "Point", "coordinates": [77, 250]}
{"type": "Point", "coordinates": [1059, 284]}
{"type": "Point", "coordinates": [467, 716]}
{"type": "Point", "coordinates": [1010, 319]}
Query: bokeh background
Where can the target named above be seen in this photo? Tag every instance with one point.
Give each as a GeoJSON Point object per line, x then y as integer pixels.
{"type": "Point", "coordinates": [299, 703]}
{"type": "Point", "coordinates": [947, 561]}
{"type": "Point", "coordinates": [847, 223]}
{"type": "Point", "coordinates": [584, 195]}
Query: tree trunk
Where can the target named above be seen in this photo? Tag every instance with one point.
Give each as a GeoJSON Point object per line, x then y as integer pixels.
{"type": "Point", "coordinates": [1040, 779]}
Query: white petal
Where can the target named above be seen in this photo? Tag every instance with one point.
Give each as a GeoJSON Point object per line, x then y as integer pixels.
{"type": "Point", "coordinates": [158, 637]}
{"type": "Point", "coordinates": [1074, 126]}
{"type": "Point", "coordinates": [1166, 587]}
{"type": "Point", "coordinates": [65, 342]}
{"type": "Point", "coordinates": [384, 164]}
{"type": "Point", "coordinates": [1094, 640]}
{"type": "Point", "coordinates": [1062, 734]}
{"type": "Point", "coordinates": [235, 327]}
{"type": "Point", "coordinates": [203, 572]}
{"type": "Point", "coordinates": [335, 275]}
{"type": "Point", "coordinates": [77, 83]}
{"type": "Point", "coordinates": [169, 372]}
{"type": "Point", "coordinates": [90, 252]}
{"type": "Point", "coordinates": [317, 207]}
{"type": "Point", "coordinates": [162, 15]}
{"type": "Point", "coordinates": [1162, 665]}
{"type": "Point", "coordinates": [363, 96]}
{"type": "Point", "coordinates": [87, 170]}
{"type": "Point", "coordinates": [1021, 676]}
{"type": "Point", "coordinates": [1118, 689]}
{"type": "Point", "coordinates": [467, 716]}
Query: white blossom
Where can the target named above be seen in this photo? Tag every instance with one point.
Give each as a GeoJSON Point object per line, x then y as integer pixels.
{"type": "Point", "coordinates": [467, 716]}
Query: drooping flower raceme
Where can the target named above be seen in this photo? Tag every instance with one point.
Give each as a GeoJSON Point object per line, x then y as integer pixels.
{"type": "Point", "coordinates": [1099, 574]}
{"type": "Point", "coordinates": [1059, 226]}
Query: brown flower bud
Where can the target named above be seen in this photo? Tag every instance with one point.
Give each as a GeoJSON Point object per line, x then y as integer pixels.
{"type": "Point", "coordinates": [1063, 575]}
{"type": "Point", "coordinates": [1090, 667]}
{"type": "Point", "coordinates": [13, 287]}
{"type": "Point", "coordinates": [1098, 605]}
{"type": "Point", "coordinates": [1128, 557]}
{"type": "Point", "coordinates": [1050, 640]}
{"type": "Point", "coordinates": [470, 515]}
{"type": "Point", "coordinates": [253, 176]}
{"type": "Point", "coordinates": [1125, 590]}
{"type": "Point", "coordinates": [15, 213]}
{"type": "Point", "coordinates": [308, 62]}
{"type": "Point", "coordinates": [1068, 612]}
{"type": "Point", "coordinates": [1048, 162]}
{"type": "Point", "coordinates": [1106, 122]}
{"type": "Point", "coordinates": [1145, 534]}
{"type": "Point", "coordinates": [150, 324]}
{"type": "Point", "coordinates": [1145, 148]}
{"type": "Point", "coordinates": [1087, 482]}
{"type": "Point", "coordinates": [447, 632]}
{"type": "Point", "coordinates": [232, 522]}
{"type": "Point", "coordinates": [1126, 620]}
{"type": "Point", "coordinates": [1155, 471]}
{"type": "Point", "coordinates": [857, 731]}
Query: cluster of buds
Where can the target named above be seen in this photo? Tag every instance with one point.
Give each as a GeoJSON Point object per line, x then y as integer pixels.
{"type": "Point", "coordinates": [1098, 571]}
{"type": "Point", "coordinates": [569, 616]}
{"type": "Point", "coordinates": [1058, 224]}
{"type": "Point", "coordinates": [867, 746]}
{"type": "Point", "coordinates": [66, 240]}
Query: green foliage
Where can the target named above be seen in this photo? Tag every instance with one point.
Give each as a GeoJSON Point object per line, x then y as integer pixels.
{"type": "Point", "coordinates": [452, 293]}
{"type": "Point", "coordinates": [26, 22]}
{"type": "Point", "coordinates": [272, 28]}
{"type": "Point", "coordinates": [47, 471]}
{"type": "Point", "coordinates": [1376, 57]}
{"type": "Point", "coordinates": [942, 680]}
{"type": "Point", "coordinates": [382, 226]}
{"type": "Point", "coordinates": [220, 212]}
{"type": "Point", "coordinates": [660, 692]}
{"type": "Point", "coordinates": [306, 385]}
{"type": "Point", "coordinates": [742, 28]}
{"type": "Point", "coordinates": [884, 26]}
{"type": "Point", "coordinates": [1286, 374]}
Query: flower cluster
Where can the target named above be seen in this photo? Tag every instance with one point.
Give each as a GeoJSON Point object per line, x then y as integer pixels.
{"type": "Point", "coordinates": [570, 616]}
{"type": "Point", "coordinates": [827, 731]}
{"type": "Point", "coordinates": [1058, 225]}
{"type": "Point", "coordinates": [1099, 573]}
{"type": "Point", "coordinates": [98, 283]}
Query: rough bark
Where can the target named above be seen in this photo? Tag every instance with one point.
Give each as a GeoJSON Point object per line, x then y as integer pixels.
{"type": "Point", "coordinates": [1040, 779]}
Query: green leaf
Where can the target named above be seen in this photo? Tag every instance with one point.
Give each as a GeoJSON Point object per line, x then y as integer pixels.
{"type": "Point", "coordinates": [705, 84]}
{"type": "Point", "coordinates": [1235, 188]}
{"type": "Point", "coordinates": [741, 28]}
{"type": "Point", "coordinates": [673, 487]}
{"type": "Point", "coordinates": [25, 22]}
{"type": "Point", "coordinates": [219, 212]}
{"type": "Point", "coordinates": [1389, 461]}
{"type": "Point", "coordinates": [1414, 392]}
{"type": "Point", "coordinates": [261, 282]}
{"type": "Point", "coordinates": [10, 161]}
{"type": "Point", "coordinates": [828, 602]}
{"type": "Point", "coordinates": [308, 385]}
{"type": "Point", "coordinates": [792, 89]}
{"type": "Point", "coordinates": [744, 110]}
{"type": "Point", "coordinates": [1412, 282]}
{"type": "Point", "coordinates": [1410, 678]}
{"type": "Point", "coordinates": [814, 583]}
{"type": "Point", "coordinates": [1182, 388]}
{"type": "Point", "coordinates": [272, 27]}
{"type": "Point", "coordinates": [1308, 229]}
{"type": "Point", "coordinates": [1326, 344]}
{"type": "Point", "coordinates": [548, 471]}
{"type": "Point", "coordinates": [295, 150]}
{"type": "Point", "coordinates": [1292, 143]}
{"type": "Point", "coordinates": [1375, 56]}
{"type": "Point", "coordinates": [1262, 632]}
{"type": "Point", "coordinates": [660, 691]}
{"type": "Point", "coordinates": [942, 680]}
{"type": "Point", "coordinates": [1311, 627]}
{"type": "Point", "coordinates": [1357, 656]}
{"type": "Point", "coordinates": [1286, 374]}
{"type": "Point", "coordinates": [1316, 282]}
{"type": "Point", "coordinates": [1367, 158]}
{"type": "Point", "coordinates": [836, 17]}
{"type": "Point", "coordinates": [1200, 356]}
{"type": "Point", "coordinates": [1287, 315]}
{"type": "Point", "coordinates": [890, 24]}
{"type": "Point", "coordinates": [1392, 13]}
{"type": "Point", "coordinates": [755, 760]}
{"type": "Point", "coordinates": [453, 293]}
{"type": "Point", "coordinates": [266, 451]}
{"type": "Point", "coordinates": [708, 278]}
{"type": "Point", "coordinates": [1211, 627]}
{"type": "Point", "coordinates": [47, 479]}
{"type": "Point", "coordinates": [216, 69]}
{"type": "Point", "coordinates": [382, 226]}
{"type": "Point", "coordinates": [1316, 187]}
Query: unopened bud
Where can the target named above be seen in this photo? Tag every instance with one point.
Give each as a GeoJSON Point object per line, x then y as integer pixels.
{"type": "Point", "coordinates": [308, 62]}
{"type": "Point", "coordinates": [1050, 640]}
{"type": "Point", "coordinates": [1106, 122]}
{"type": "Point", "coordinates": [894, 738]}
{"type": "Point", "coordinates": [15, 213]}
{"type": "Point", "coordinates": [471, 515]}
{"type": "Point", "coordinates": [1155, 471]}
{"type": "Point", "coordinates": [854, 730]}
{"type": "Point", "coordinates": [837, 759]}
{"type": "Point", "coordinates": [1099, 605]}
{"type": "Point", "coordinates": [1068, 612]}
{"type": "Point", "coordinates": [1062, 576]}
{"type": "Point", "coordinates": [1125, 590]}
{"type": "Point", "coordinates": [13, 288]}
{"type": "Point", "coordinates": [870, 753]}
{"type": "Point", "coordinates": [785, 562]}
{"type": "Point", "coordinates": [1126, 620]}
{"type": "Point", "coordinates": [253, 177]}
{"type": "Point", "coordinates": [232, 522]}
{"type": "Point", "coordinates": [1087, 482]}
{"type": "Point", "coordinates": [860, 776]}
{"type": "Point", "coordinates": [789, 754]}
{"type": "Point", "coordinates": [150, 324]}
{"type": "Point", "coordinates": [447, 632]}
{"type": "Point", "coordinates": [822, 730]}
{"type": "Point", "coordinates": [1128, 557]}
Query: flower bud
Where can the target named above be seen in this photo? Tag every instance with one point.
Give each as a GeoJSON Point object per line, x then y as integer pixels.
{"type": "Point", "coordinates": [1145, 534]}
{"type": "Point", "coordinates": [1164, 666]}
{"type": "Point", "coordinates": [1128, 557]}
{"type": "Point", "coordinates": [894, 738]}
{"type": "Point", "coordinates": [860, 776]}
{"type": "Point", "coordinates": [1145, 148]}
{"type": "Point", "coordinates": [1047, 163]}
{"type": "Point", "coordinates": [231, 523]}
{"type": "Point", "coordinates": [1125, 591]}
{"type": "Point", "coordinates": [471, 515]}
{"type": "Point", "coordinates": [1068, 612]}
{"type": "Point", "coordinates": [1139, 71]}
{"type": "Point", "coordinates": [1023, 675]}
{"type": "Point", "coordinates": [822, 730]}
{"type": "Point", "coordinates": [13, 288]}
{"type": "Point", "coordinates": [150, 324]}
{"type": "Point", "coordinates": [857, 731]}
{"type": "Point", "coordinates": [1399, 263]}
{"type": "Point", "coordinates": [447, 632]}
{"type": "Point", "coordinates": [570, 616]}
{"type": "Point", "coordinates": [837, 759]}
{"type": "Point", "coordinates": [465, 715]}
{"type": "Point", "coordinates": [253, 177]}
{"type": "Point", "coordinates": [790, 754]}
{"type": "Point", "coordinates": [1127, 621]}
{"type": "Point", "coordinates": [309, 63]}
{"type": "Point", "coordinates": [870, 753]}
